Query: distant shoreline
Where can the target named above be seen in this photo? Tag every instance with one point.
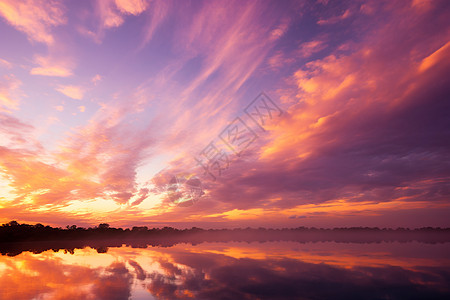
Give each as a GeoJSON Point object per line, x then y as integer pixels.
{"type": "Point", "coordinates": [16, 238]}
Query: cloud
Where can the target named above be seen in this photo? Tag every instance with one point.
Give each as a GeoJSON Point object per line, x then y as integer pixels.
{"type": "Point", "coordinates": [133, 7]}
{"type": "Point", "coordinates": [157, 15]}
{"type": "Point", "coordinates": [34, 17]}
{"type": "Point", "coordinates": [49, 66]}
{"type": "Point", "coordinates": [142, 195]}
{"type": "Point", "coordinates": [111, 14]}
{"type": "Point", "coordinates": [97, 78]}
{"type": "Point", "coordinates": [9, 92]}
{"type": "Point", "coordinates": [283, 58]}
{"type": "Point", "coordinates": [108, 151]}
{"type": "Point", "coordinates": [366, 125]}
{"type": "Point", "coordinates": [226, 56]}
{"type": "Point", "coordinates": [71, 91]}
{"type": "Point", "coordinates": [218, 60]}
{"type": "Point", "coordinates": [96, 163]}
{"type": "Point", "coordinates": [22, 159]}
{"type": "Point", "coordinates": [335, 19]}
{"type": "Point", "coordinates": [111, 11]}
{"type": "Point", "coordinates": [5, 64]}
{"type": "Point", "coordinates": [435, 57]}
{"type": "Point", "coordinates": [364, 115]}
{"type": "Point", "coordinates": [309, 48]}
{"type": "Point", "coordinates": [280, 30]}
{"type": "Point", "coordinates": [279, 60]}
{"type": "Point", "coordinates": [15, 134]}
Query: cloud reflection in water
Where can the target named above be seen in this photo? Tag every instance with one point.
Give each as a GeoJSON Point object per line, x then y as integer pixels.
{"type": "Point", "coordinates": [272, 270]}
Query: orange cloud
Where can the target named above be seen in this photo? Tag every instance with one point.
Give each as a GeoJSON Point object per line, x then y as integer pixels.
{"type": "Point", "coordinates": [134, 7]}
{"type": "Point", "coordinates": [34, 17]}
{"type": "Point", "coordinates": [348, 133]}
{"type": "Point", "coordinates": [439, 55]}
{"type": "Point", "coordinates": [110, 11]}
{"type": "Point", "coordinates": [108, 14]}
{"type": "Point", "coordinates": [349, 105]}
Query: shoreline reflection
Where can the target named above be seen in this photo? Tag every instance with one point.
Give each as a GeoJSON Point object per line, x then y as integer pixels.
{"type": "Point", "coordinates": [234, 270]}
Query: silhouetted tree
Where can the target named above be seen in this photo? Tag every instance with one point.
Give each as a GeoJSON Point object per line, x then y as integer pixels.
{"type": "Point", "coordinates": [103, 226]}
{"type": "Point", "coordinates": [13, 223]}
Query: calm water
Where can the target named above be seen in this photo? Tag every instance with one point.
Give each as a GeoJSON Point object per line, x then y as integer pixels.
{"type": "Point", "coordinates": [271, 270]}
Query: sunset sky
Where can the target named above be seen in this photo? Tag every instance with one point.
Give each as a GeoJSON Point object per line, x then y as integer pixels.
{"type": "Point", "coordinates": [104, 102]}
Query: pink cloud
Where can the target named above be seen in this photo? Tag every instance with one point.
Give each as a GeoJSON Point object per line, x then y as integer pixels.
{"type": "Point", "coordinates": [10, 93]}
{"type": "Point", "coordinates": [134, 7]}
{"type": "Point", "coordinates": [71, 91]}
{"type": "Point", "coordinates": [364, 118]}
{"type": "Point", "coordinates": [345, 137]}
{"type": "Point", "coordinates": [50, 66]}
{"type": "Point", "coordinates": [34, 17]}
{"type": "Point", "coordinates": [111, 14]}
{"type": "Point", "coordinates": [97, 78]}
{"type": "Point", "coordinates": [6, 64]}
{"type": "Point", "coordinates": [335, 19]}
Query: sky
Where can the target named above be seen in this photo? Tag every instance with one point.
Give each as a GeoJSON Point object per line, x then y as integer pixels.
{"type": "Point", "coordinates": [223, 114]}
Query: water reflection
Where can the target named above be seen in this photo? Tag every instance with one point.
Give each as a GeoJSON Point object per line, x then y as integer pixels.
{"type": "Point", "coordinates": [234, 270]}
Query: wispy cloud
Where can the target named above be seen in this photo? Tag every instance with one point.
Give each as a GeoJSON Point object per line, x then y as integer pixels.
{"type": "Point", "coordinates": [435, 58]}
{"type": "Point", "coordinates": [110, 14]}
{"type": "Point", "coordinates": [71, 91]}
{"type": "Point", "coordinates": [49, 66]}
{"type": "Point", "coordinates": [346, 130]}
{"type": "Point", "coordinates": [5, 64]}
{"type": "Point", "coordinates": [9, 92]}
{"type": "Point", "coordinates": [364, 130]}
{"type": "Point", "coordinates": [335, 19]}
{"type": "Point", "coordinates": [157, 14]}
{"type": "Point", "coordinates": [34, 17]}
{"type": "Point", "coordinates": [96, 79]}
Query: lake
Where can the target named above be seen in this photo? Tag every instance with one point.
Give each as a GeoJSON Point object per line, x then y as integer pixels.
{"type": "Point", "coordinates": [232, 270]}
